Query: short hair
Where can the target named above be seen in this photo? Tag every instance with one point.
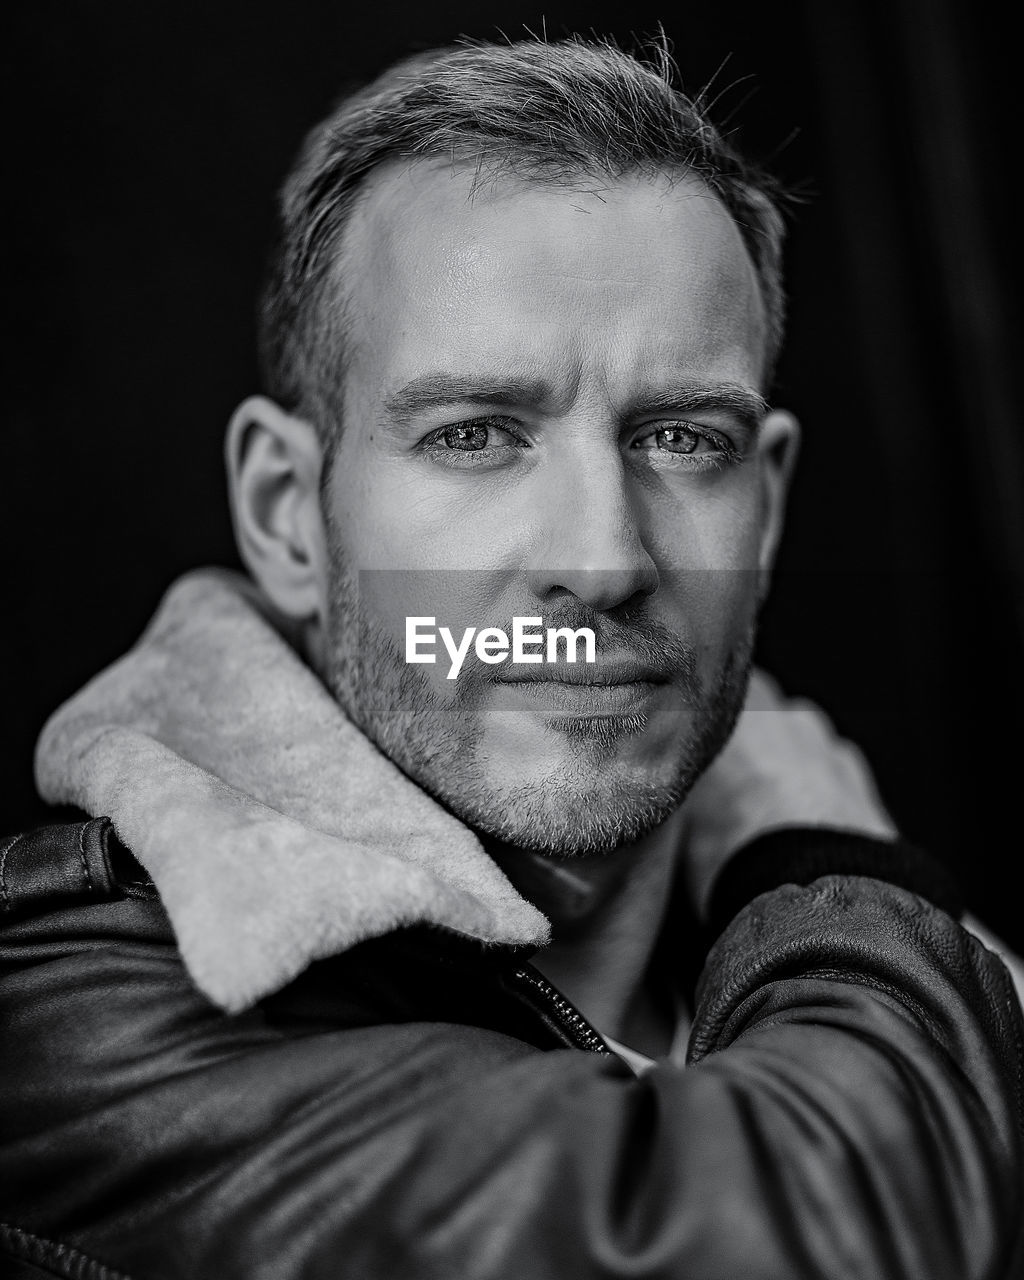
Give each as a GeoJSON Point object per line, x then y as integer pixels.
{"type": "Point", "coordinates": [552, 113]}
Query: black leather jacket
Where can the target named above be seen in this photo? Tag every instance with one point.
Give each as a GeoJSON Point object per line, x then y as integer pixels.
{"type": "Point", "coordinates": [422, 1106]}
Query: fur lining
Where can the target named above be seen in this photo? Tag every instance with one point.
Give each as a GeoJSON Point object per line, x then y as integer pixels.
{"type": "Point", "coordinates": [275, 832]}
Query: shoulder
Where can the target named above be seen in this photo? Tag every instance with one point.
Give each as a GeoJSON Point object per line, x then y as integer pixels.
{"type": "Point", "coordinates": [66, 864]}
{"type": "Point", "coordinates": [74, 903]}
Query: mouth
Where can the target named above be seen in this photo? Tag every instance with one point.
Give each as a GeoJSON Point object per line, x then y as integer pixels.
{"type": "Point", "coordinates": [609, 674]}
{"type": "Point", "coordinates": [591, 692]}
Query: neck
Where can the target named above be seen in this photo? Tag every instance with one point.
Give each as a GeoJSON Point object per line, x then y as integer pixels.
{"type": "Point", "coordinates": [606, 914]}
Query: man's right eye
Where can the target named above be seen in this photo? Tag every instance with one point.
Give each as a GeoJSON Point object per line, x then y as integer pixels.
{"type": "Point", "coordinates": [465, 435]}
{"type": "Point", "coordinates": [472, 437]}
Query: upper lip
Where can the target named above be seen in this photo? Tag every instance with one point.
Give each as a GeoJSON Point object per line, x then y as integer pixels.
{"type": "Point", "coordinates": [611, 671]}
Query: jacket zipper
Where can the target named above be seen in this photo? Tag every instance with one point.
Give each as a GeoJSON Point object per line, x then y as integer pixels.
{"type": "Point", "coordinates": [568, 1018]}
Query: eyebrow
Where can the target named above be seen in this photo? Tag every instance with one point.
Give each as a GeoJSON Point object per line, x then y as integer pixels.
{"type": "Point", "coordinates": [741, 402]}
{"type": "Point", "coordinates": [438, 390]}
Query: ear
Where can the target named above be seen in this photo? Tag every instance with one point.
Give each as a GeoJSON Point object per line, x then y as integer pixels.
{"type": "Point", "coordinates": [778, 444]}
{"type": "Point", "coordinates": [274, 462]}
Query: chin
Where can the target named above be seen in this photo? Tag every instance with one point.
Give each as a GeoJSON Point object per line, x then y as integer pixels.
{"type": "Point", "coordinates": [571, 812]}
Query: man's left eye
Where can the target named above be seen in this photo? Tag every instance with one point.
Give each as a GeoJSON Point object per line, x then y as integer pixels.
{"type": "Point", "coordinates": [679, 437]}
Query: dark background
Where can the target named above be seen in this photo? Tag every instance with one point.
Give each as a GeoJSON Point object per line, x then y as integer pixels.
{"type": "Point", "coordinates": [145, 144]}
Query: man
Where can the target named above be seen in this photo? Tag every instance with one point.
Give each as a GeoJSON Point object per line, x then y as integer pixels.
{"type": "Point", "coordinates": [326, 981]}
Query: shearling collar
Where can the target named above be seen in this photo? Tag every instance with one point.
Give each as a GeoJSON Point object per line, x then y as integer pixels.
{"type": "Point", "coordinates": [275, 832]}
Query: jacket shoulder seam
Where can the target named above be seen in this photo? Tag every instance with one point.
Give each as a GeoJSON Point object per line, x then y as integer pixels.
{"type": "Point", "coordinates": [63, 1259]}
{"type": "Point", "coordinates": [85, 862]}
{"type": "Point", "coordinates": [4, 900]}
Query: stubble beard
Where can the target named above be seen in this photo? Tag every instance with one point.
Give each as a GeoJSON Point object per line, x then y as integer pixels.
{"type": "Point", "coordinates": [579, 809]}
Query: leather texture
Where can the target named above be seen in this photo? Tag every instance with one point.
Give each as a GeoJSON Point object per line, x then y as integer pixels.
{"type": "Point", "coordinates": [39, 873]}
{"type": "Point", "coordinates": [424, 1105]}
{"type": "Point", "coordinates": [788, 855]}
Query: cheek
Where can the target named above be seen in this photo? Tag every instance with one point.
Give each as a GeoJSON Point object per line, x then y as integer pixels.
{"type": "Point", "coordinates": [707, 528]}
{"type": "Point", "coordinates": [414, 546]}
{"type": "Point", "coordinates": [710, 572]}
{"type": "Point", "coordinates": [730, 606]}
{"type": "Point", "coordinates": [458, 599]}
{"type": "Point", "coordinates": [712, 608]}
{"type": "Point", "coordinates": [389, 514]}
{"type": "Point", "coordinates": [379, 520]}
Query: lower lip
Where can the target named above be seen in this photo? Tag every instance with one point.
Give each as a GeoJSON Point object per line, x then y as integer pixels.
{"type": "Point", "coordinates": [586, 700]}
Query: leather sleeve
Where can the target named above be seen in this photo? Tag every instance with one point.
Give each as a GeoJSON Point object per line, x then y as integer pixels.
{"type": "Point", "coordinates": [852, 1109]}
{"type": "Point", "coordinates": [801, 855]}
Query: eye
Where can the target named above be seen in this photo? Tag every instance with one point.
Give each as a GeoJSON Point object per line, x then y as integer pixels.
{"type": "Point", "coordinates": [476, 436]}
{"type": "Point", "coordinates": [469, 436]}
{"type": "Point", "coordinates": [678, 438]}
{"type": "Point", "coordinates": [689, 440]}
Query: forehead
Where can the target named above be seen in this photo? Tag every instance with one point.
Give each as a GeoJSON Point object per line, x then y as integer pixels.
{"type": "Point", "coordinates": [619, 278]}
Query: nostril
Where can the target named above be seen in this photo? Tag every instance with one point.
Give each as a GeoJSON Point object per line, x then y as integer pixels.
{"type": "Point", "coordinates": [599, 588]}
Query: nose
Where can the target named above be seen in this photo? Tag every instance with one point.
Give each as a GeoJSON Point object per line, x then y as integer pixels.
{"type": "Point", "coordinates": [593, 545]}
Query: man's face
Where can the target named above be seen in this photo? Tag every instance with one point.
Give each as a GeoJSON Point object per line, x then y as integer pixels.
{"type": "Point", "coordinates": [550, 410]}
